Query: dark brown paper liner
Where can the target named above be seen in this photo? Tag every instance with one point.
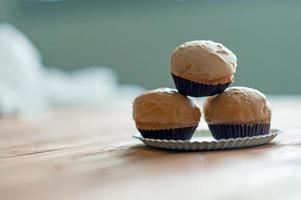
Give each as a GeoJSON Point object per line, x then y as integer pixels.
{"type": "Point", "coordinates": [169, 134]}
{"type": "Point", "coordinates": [194, 89]}
{"type": "Point", "coordinates": [226, 131]}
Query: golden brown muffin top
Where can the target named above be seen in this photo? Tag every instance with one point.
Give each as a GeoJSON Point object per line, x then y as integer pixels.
{"type": "Point", "coordinates": [164, 108]}
{"type": "Point", "coordinates": [237, 105]}
{"type": "Point", "coordinates": [204, 61]}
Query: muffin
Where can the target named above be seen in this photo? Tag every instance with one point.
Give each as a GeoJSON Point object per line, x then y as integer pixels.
{"type": "Point", "coordinates": [237, 112]}
{"type": "Point", "coordinates": [202, 68]}
{"type": "Point", "coordinates": [165, 114]}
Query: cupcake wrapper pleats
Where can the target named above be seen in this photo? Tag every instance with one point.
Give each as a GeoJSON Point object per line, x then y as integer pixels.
{"type": "Point", "coordinates": [169, 134]}
{"type": "Point", "coordinates": [226, 131]}
{"type": "Point", "coordinates": [194, 89]}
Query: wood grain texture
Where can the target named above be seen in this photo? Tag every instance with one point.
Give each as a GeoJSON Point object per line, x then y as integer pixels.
{"type": "Point", "coordinates": [88, 153]}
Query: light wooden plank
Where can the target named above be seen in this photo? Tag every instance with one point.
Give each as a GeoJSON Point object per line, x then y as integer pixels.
{"type": "Point", "coordinates": [88, 153]}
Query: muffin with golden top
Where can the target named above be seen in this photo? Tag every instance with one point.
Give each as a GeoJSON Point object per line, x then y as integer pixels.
{"type": "Point", "coordinates": [202, 68]}
{"type": "Point", "coordinates": [165, 114]}
{"type": "Point", "coordinates": [237, 112]}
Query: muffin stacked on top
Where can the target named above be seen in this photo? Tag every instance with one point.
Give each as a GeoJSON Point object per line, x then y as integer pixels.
{"type": "Point", "coordinates": [202, 68]}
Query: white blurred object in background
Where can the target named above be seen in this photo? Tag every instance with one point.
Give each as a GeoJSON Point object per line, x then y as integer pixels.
{"type": "Point", "coordinates": [26, 86]}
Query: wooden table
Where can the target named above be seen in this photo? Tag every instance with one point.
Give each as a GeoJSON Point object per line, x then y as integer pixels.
{"type": "Point", "coordinates": [88, 153]}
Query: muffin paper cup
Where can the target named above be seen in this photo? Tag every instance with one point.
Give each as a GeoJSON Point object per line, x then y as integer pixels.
{"type": "Point", "coordinates": [194, 89]}
{"type": "Point", "coordinates": [226, 131]}
{"type": "Point", "coordinates": [169, 134]}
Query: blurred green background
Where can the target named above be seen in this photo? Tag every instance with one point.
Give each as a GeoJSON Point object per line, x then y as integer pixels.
{"type": "Point", "coordinates": [135, 38]}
